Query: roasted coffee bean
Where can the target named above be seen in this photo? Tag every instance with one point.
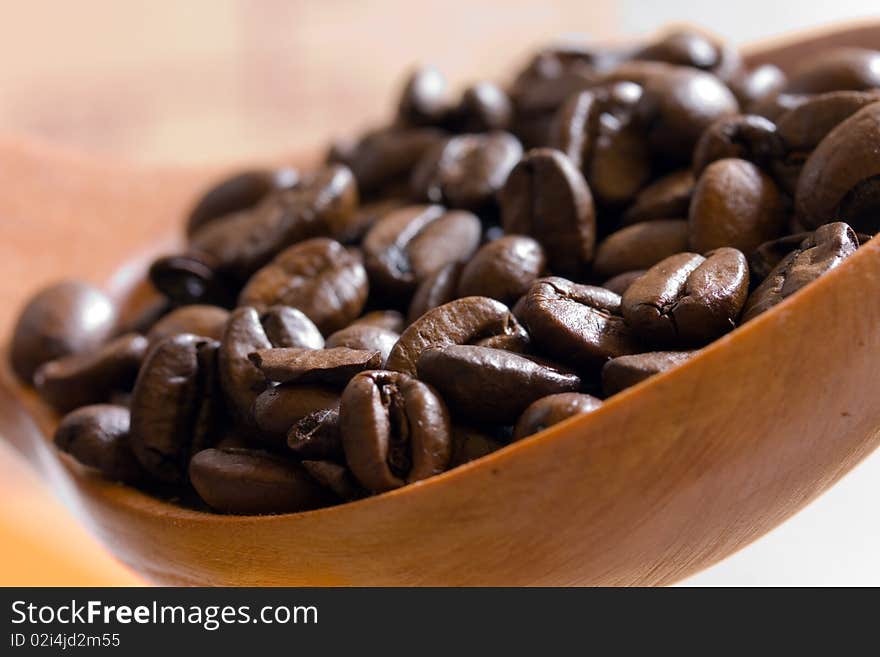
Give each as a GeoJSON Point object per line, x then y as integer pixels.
{"type": "Point", "coordinates": [775, 105]}
{"type": "Point", "coordinates": [238, 192]}
{"type": "Point", "coordinates": [91, 377]}
{"type": "Point", "coordinates": [463, 321]}
{"type": "Point", "coordinates": [63, 319]}
{"type": "Point", "coordinates": [317, 436]}
{"type": "Point", "coordinates": [687, 299]}
{"type": "Point", "coordinates": [198, 319]}
{"type": "Point", "coordinates": [334, 366]}
{"type": "Point", "coordinates": [366, 337]}
{"type": "Point", "coordinates": [504, 269]}
{"type": "Point", "coordinates": [390, 320]}
{"type": "Point", "coordinates": [395, 430]}
{"type": "Point", "coordinates": [485, 385]}
{"type": "Point", "coordinates": [626, 371]}
{"type": "Point", "coordinates": [97, 436]}
{"type": "Point", "coordinates": [743, 136]}
{"type": "Point", "coordinates": [190, 279]}
{"type": "Point", "coordinates": [552, 409]}
{"type": "Point", "coordinates": [620, 283]}
{"type": "Point", "coordinates": [175, 406]}
{"type": "Point", "coordinates": [278, 408]}
{"type": "Point", "coordinates": [666, 198]}
{"type": "Point", "coordinates": [336, 478]}
{"type": "Point", "coordinates": [318, 276]}
{"type": "Point", "coordinates": [841, 179]}
{"type": "Point", "coordinates": [640, 246]}
{"type": "Point", "coordinates": [438, 288]}
{"type": "Point", "coordinates": [821, 252]}
{"type": "Point", "coordinates": [250, 482]}
{"type": "Point", "coordinates": [765, 258]}
{"type": "Point", "coordinates": [425, 99]}
{"type": "Point", "coordinates": [753, 86]}
{"type": "Point", "coordinates": [470, 444]}
{"type": "Point", "coordinates": [735, 204]}
{"type": "Point", "coordinates": [483, 107]}
{"type": "Point", "coordinates": [408, 245]}
{"type": "Point", "coordinates": [690, 48]}
{"type": "Point", "coordinates": [547, 198]}
{"type": "Point", "coordinates": [856, 69]}
{"type": "Point", "coordinates": [365, 217]}
{"type": "Point", "coordinates": [577, 324]}
{"type": "Point", "coordinates": [803, 128]}
{"type": "Point", "coordinates": [466, 171]}
{"type": "Point", "coordinates": [289, 327]}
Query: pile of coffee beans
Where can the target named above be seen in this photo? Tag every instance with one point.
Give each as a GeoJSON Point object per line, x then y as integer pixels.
{"type": "Point", "coordinates": [489, 263]}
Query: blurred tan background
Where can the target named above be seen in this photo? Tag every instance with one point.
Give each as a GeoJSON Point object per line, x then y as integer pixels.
{"type": "Point", "coordinates": [229, 80]}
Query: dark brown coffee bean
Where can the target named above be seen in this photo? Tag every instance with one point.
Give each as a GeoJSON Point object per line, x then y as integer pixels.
{"type": "Point", "coordinates": [470, 444]}
{"type": "Point", "coordinates": [640, 246]}
{"type": "Point", "coordinates": [688, 299]}
{"type": "Point", "coordinates": [487, 385]}
{"type": "Point", "coordinates": [775, 105]}
{"type": "Point", "coordinates": [577, 324]}
{"type": "Point", "coordinates": [366, 217]}
{"type": "Point", "coordinates": [175, 405]}
{"type": "Point", "coordinates": [92, 377]}
{"type": "Point", "coordinates": [334, 366]}
{"type": "Point", "coordinates": [753, 86]}
{"type": "Point", "coordinates": [289, 327]}
{"type": "Point", "coordinates": [856, 69]}
{"type": "Point", "coordinates": [198, 319]}
{"type": "Point", "coordinates": [821, 252]}
{"type": "Point", "coordinates": [620, 283]}
{"type": "Point", "coordinates": [666, 198]}
{"type": "Point", "coordinates": [251, 482]}
{"type": "Point", "coordinates": [841, 179]}
{"type": "Point", "coordinates": [484, 107]}
{"type": "Point", "coordinates": [318, 276]}
{"type": "Point", "coordinates": [278, 408]}
{"type": "Point", "coordinates": [63, 319]}
{"type": "Point", "coordinates": [390, 320]}
{"type": "Point", "coordinates": [743, 136]}
{"type": "Point", "coordinates": [367, 337]}
{"type": "Point", "coordinates": [552, 409]}
{"type": "Point", "coordinates": [335, 478]}
{"type": "Point", "coordinates": [395, 430]}
{"type": "Point", "coordinates": [547, 198]}
{"type": "Point", "coordinates": [503, 269]}
{"type": "Point", "coordinates": [438, 288]}
{"type": "Point", "coordinates": [466, 171]}
{"type": "Point", "coordinates": [317, 436]}
{"type": "Point", "coordinates": [425, 99]}
{"type": "Point", "coordinates": [97, 436]}
{"type": "Point", "coordinates": [804, 127]}
{"type": "Point", "coordinates": [190, 279]}
{"type": "Point", "coordinates": [238, 192]}
{"type": "Point", "coordinates": [407, 246]}
{"type": "Point", "coordinates": [765, 258]}
{"type": "Point", "coordinates": [240, 379]}
{"type": "Point", "coordinates": [463, 321]}
{"type": "Point", "coordinates": [690, 48]}
{"type": "Point", "coordinates": [735, 204]}
{"type": "Point", "coordinates": [626, 371]}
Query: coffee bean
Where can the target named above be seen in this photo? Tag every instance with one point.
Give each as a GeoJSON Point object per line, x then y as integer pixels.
{"type": "Point", "coordinates": [837, 69]}
{"type": "Point", "coordinates": [735, 204]}
{"type": "Point", "coordinates": [317, 436]}
{"type": "Point", "coordinates": [190, 279]}
{"type": "Point", "coordinates": [289, 327]}
{"type": "Point", "coordinates": [198, 319]}
{"type": "Point", "coordinates": [666, 198]}
{"type": "Point", "coordinates": [175, 405]}
{"type": "Point", "coordinates": [365, 217]}
{"type": "Point", "coordinates": [547, 198]}
{"type": "Point", "coordinates": [470, 444]}
{"type": "Point", "coordinates": [390, 320]}
{"type": "Point", "coordinates": [366, 337]}
{"type": "Point", "coordinates": [425, 99]}
{"type": "Point", "coordinates": [626, 371]}
{"type": "Point", "coordinates": [278, 408]}
{"type": "Point", "coordinates": [438, 288]}
{"type": "Point", "coordinates": [819, 253]}
{"type": "Point", "coordinates": [687, 299]}
{"type": "Point", "coordinates": [334, 366]}
{"type": "Point", "coordinates": [407, 246]}
{"type": "Point", "coordinates": [335, 478]}
{"type": "Point", "coordinates": [97, 437]}
{"type": "Point", "coordinates": [765, 258]}
{"type": "Point", "coordinates": [504, 269]}
{"type": "Point", "coordinates": [92, 377]}
{"type": "Point", "coordinates": [640, 246]}
{"type": "Point", "coordinates": [620, 284]}
{"type": "Point", "coordinates": [466, 171]}
{"type": "Point", "coordinates": [483, 107]}
{"type": "Point", "coordinates": [250, 482]}
{"type": "Point", "coordinates": [690, 48]}
{"type": "Point", "coordinates": [481, 384]}
{"type": "Point", "coordinates": [395, 430]}
{"type": "Point", "coordinates": [753, 86]}
{"type": "Point", "coordinates": [803, 128]}
{"type": "Point", "coordinates": [63, 319]}
{"type": "Point", "coordinates": [743, 136]}
{"type": "Point", "coordinates": [552, 409]}
{"type": "Point", "coordinates": [463, 321]}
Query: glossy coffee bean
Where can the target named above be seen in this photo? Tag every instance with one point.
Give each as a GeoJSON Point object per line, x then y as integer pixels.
{"type": "Point", "coordinates": [483, 107]}
{"type": "Point", "coordinates": [198, 319]}
{"type": "Point", "coordinates": [470, 444]}
{"type": "Point", "coordinates": [735, 204]}
{"type": "Point", "coordinates": [175, 405]}
{"type": "Point", "coordinates": [803, 128]}
{"type": "Point", "coordinates": [466, 171]}
{"type": "Point", "coordinates": [317, 436]}
{"type": "Point", "coordinates": [464, 321]}
{"type": "Point", "coordinates": [278, 408]}
{"type": "Point", "coordinates": [819, 253]}
{"type": "Point", "coordinates": [438, 288]}
{"type": "Point", "coordinates": [408, 245]}
{"type": "Point", "coordinates": [333, 366]}
{"type": "Point", "coordinates": [91, 377]}
{"type": "Point", "coordinates": [743, 136]}
{"type": "Point", "coordinates": [484, 385]}
{"type": "Point", "coordinates": [752, 86]}
{"type": "Point", "coordinates": [425, 98]}
{"type": "Point", "coordinates": [684, 47]}
{"type": "Point", "coordinates": [668, 197]}
{"type": "Point", "coordinates": [687, 299]}
{"type": "Point", "coordinates": [503, 269]}
{"type": "Point", "coordinates": [620, 283]}
{"type": "Point", "coordinates": [640, 246]}
{"type": "Point", "coordinates": [318, 276]}
{"type": "Point", "coordinates": [856, 69]}
{"type": "Point", "coordinates": [190, 279]}
{"type": "Point", "coordinates": [250, 482]}
{"type": "Point", "coordinates": [552, 409]}
{"type": "Point", "coordinates": [63, 319]}
{"type": "Point", "coordinates": [579, 325]}
{"type": "Point", "coordinates": [395, 430]}
{"type": "Point", "coordinates": [765, 258]}
{"type": "Point", "coordinates": [626, 371]}
{"type": "Point", "coordinates": [97, 436]}
{"type": "Point", "coordinates": [290, 327]}
{"type": "Point", "coordinates": [335, 478]}
{"type": "Point", "coordinates": [366, 337]}
{"type": "Point", "coordinates": [547, 198]}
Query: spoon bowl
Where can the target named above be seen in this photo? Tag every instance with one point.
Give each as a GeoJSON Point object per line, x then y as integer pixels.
{"type": "Point", "coordinates": [662, 481]}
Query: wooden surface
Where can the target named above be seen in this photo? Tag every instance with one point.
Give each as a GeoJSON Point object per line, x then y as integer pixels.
{"type": "Point", "coordinates": [664, 480]}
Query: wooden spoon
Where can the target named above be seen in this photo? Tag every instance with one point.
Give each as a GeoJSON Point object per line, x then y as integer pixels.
{"type": "Point", "coordinates": [664, 480]}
